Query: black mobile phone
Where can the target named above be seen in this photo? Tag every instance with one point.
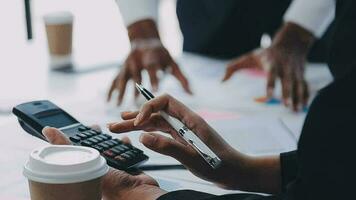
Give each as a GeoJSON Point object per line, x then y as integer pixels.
{"type": "Point", "coordinates": [34, 116]}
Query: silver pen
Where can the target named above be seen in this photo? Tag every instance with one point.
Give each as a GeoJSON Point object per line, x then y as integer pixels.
{"type": "Point", "coordinates": [189, 136]}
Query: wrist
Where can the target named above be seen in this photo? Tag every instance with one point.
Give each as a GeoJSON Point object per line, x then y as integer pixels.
{"type": "Point", "coordinates": [253, 174]}
{"type": "Point", "coordinates": [143, 44]}
{"type": "Point", "coordinates": [235, 170]}
{"type": "Point", "coordinates": [144, 192]}
{"type": "Point", "coordinates": [293, 39]}
{"type": "Point", "coordinates": [143, 29]}
{"type": "Point", "coordinates": [264, 174]}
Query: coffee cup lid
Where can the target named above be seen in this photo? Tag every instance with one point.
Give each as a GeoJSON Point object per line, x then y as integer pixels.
{"type": "Point", "coordinates": [60, 17]}
{"type": "Point", "coordinates": [62, 164]}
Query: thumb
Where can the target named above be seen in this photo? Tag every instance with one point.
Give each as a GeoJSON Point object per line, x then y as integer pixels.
{"type": "Point", "coordinates": [55, 136]}
{"type": "Point", "coordinates": [169, 147]}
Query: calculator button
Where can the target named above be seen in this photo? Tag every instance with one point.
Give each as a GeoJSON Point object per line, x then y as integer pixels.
{"type": "Point", "coordinates": [120, 148]}
{"type": "Point", "coordinates": [99, 148]}
{"type": "Point", "coordinates": [92, 132]}
{"type": "Point", "coordinates": [97, 131]}
{"type": "Point", "coordinates": [125, 147]}
{"type": "Point", "coordinates": [109, 153]}
{"type": "Point", "coordinates": [86, 143]}
{"type": "Point", "coordinates": [82, 128]}
{"type": "Point", "coordinates": [108, 137]}
{"type": "Point", "coordinates": [116, 141]}
{"type": "Point", "coordinates": [87, 134]}
{"type": "Point", "coordinates": [106, 142]}
{"type": "Point", "coordinates": [93, 140]}
{"type": "Point", "coordinates": [130, 153]}
{"type": "Point", "coordinates": [124, 155]}
{"type": "Point", "coordinates": [120, 158]}
{"type": "Point", "coordinates": [74, 139]}
{"type": "Point", "coordinates": [116, 151]}
{"type": "Point", "coordinates": [82, 136]}
{"type": "Point", "coordinates": [98, 138]}
{"type": "Point", "coordinates": [102, 136]}
{"type": "Point", "coordinates": [110, 143]}
{"type": "Point", "coordinates": [105, 146]}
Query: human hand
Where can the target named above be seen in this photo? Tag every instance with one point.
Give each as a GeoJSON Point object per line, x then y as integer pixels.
{"type": "Point", "coordinates": [116, 184]}
{"type": "Point", "coordinates": [233, 172]}
{"type": "Point", "coordinates": [284, 59]}
{"type": "Point", "coordinates": [147, 53]}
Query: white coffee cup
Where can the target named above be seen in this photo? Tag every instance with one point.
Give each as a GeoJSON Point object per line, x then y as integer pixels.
{"type": "Point", "coordinates": [59, 29]}
{"type": "Point", "coordinates": [65, 172]}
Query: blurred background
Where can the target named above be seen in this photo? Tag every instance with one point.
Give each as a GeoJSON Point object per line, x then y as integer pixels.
{"type": "Point", "coordinates": [99, 38]}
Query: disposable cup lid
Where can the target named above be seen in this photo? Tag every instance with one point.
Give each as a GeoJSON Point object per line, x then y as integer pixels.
{"type": "Point", "coordinates": [62, 164]}
{"type": "Point", "coordinates": [60, 17]}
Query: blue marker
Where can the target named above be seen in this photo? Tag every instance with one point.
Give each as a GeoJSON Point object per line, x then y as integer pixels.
{"type": "Point", "coordinates": [273, 101]}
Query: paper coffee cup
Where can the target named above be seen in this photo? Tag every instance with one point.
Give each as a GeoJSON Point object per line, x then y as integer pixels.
{"type": "Point", "coordinates": [65, 172]}
{"type": "Point", "coordinates": [59, 29]}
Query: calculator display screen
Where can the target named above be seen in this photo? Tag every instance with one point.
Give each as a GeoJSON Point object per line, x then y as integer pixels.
{"type": "Point", "coordinates": [57, 120]}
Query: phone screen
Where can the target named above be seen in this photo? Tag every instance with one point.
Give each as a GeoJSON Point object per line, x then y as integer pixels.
{"type": "Point", "coordinates": [57, 120]}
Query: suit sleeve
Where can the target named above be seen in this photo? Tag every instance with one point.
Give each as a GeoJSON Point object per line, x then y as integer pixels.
{"type": "Point", "coordinates": [191, 194]}
{"type": "Point", "coordinates": [186, 194]}
{"type": "Point", "coordinates": [288, 168]}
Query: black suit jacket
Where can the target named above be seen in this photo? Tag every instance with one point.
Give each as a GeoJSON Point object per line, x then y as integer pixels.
{"type": "Point", "coordinates": [230, 28]}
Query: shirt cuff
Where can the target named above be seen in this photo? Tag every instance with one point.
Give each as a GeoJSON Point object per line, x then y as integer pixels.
{"type": "Point", "coordinates": [136, 10]}
{"type": "Point", "coordinates": [289, 167]}
{"type": "Point", "coordinates": [313, 15]}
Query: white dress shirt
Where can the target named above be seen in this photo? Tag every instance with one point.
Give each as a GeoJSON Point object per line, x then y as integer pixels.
{"type": "Point", "coordinates": [136, 10]}
{"type": "Point", "coordinates": [313, 15]}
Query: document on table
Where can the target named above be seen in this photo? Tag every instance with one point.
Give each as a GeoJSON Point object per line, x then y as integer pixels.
{"type": "Point", "coordinates": [256, 135]}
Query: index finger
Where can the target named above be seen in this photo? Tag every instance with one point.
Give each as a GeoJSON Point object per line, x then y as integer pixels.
{"type": "Point", "coordinates": [286, 89]}
{"type": "Point", "coordinates": [111, 90]}
{"type": "Point", "coordinates": [298, 95]}
{"type": "Point", "coordinates": [250, 60]}
{"type": "Point", "coordinates": [164, 103]}
{"type": "Point", "coordinates": [181, 78]}
{"type": "Point", "coordinates": [271, 81]}
{"type": "Point", "coordinates": [154, 123]}
{"type": "Point", "coordinates": [121, 84]}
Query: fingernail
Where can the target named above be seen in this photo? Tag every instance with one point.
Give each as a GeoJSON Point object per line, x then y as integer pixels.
{"type": "Point", "coordinates": [44, 129]}
{"type": "Point", "coordinates": [125, 112]}
{"type": "Point", "coordinates": [44, 132]}
{"type": "Point", "coordinates": [147, 139]}
{"type": "Point", "coordinates": [108, 125]}
{"type": "Point", "coordinates": [138, 119]}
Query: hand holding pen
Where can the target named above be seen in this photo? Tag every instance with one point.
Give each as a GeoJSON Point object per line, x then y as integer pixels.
{"type": "Point", "coordinates": [234, 165]}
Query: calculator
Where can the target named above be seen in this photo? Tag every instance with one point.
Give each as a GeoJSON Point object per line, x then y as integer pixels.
{"type": "Point", "coordinates": [34, 116]}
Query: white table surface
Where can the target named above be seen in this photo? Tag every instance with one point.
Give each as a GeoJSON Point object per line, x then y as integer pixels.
{"type": "Point", "coordinates": [83, 95]}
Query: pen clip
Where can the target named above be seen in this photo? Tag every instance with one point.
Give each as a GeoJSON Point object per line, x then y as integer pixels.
{"type": "Point", "coordinates": [213, 162]}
